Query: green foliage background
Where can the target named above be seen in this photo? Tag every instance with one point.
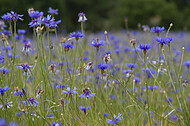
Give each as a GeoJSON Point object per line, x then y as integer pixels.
{"type": "Point", "coordinates": [107, 14]}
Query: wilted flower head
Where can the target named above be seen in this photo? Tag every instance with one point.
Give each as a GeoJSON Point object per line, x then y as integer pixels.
{"type": "Point", "coordinates": [116, 119]}
{"type": "Point", "coordinates": [132, 42]}
{"type": "Point", "coordinates": [89, 65]}
{"type": "Point", "coordinates": [82, 17]}
{"type": "Point", "coordinates": [26, 48]}
{"type": "Point", "coordinates": [107, 57]}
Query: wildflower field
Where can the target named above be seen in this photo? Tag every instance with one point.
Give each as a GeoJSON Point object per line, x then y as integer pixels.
{"type": "Point", "coordinates": [127, 78]}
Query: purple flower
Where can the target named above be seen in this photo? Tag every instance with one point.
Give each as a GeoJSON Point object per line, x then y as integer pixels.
{"type": "Point", "coordinates": [56, 124]}
{"type": "Point", "coordinates": [21, 31]}
{"type": "Point", "coordinates": [35, 14]}
{"type": "Point", "coordinates": [53, 11]}
{"type": "Point", "coordinates": [173, 118]}
{"type": "Point", "coordinates": [137, 80]}
{"type": "Point", "coordinates": [18, 93]}
{"type": "Point", "coordinates": [26, 48]}
{"type": "Point", "coordinates": [16, 16]}
{"type": "Point", "coordinates": [83, 108]}
{"type": "Point", "coordinates": [77, 35]}
{"type": "Point", "coordinates": [163, 41]}
{"type": "Point", "coordinates": [87, 93]}
{"type": "Point", "coordinates": [157, 29]}
{"type": "Point", "coordinates": [131, 65]}
{"type": "Point", "coordinates": [3, 90]}
{"type": "Point", "coordinates": [186, 63]}
{"type": "Point", "coordinates": [149, 71]}
{"type": "Point", "coordinates": [54, 23]}
{"type": "Point", "coordinates": [1, 58]}
{"type": "Point", "coordinates": [106, 114]}
{"type": "Point", "coordinates": [67, 45]}
{"type": "Point", "coordinates": [69, 91]}
{"type": "Point", "coordinates": [4, 70]}
{"type": "Point", "coordinates": [97, 43]}
{"type": "Point", "coordinates": [145, 47]}
{"type": "Point", "coordinates": [50, 115]}
{"type": "Point", "coordinates": [25, 67]}
{"type": "Point", "coordinates": [7, 17]}
{"type": "Point", "coordinates": [82, 17]}
{"type": "Point", "coordinates": [102, 66]}
{"type": "Point", "coordinates": [35, 22]}
{"type": "Point", "coordinates": [116, 119]}
{"type": "Point", "coordinates": [151, 87]}
{"type": "Point", "coordinates": [3, 123]}
{"type": "Point", "coordinates": [32, 101]}
{"type": "Point", "coordinates": [47, 20]}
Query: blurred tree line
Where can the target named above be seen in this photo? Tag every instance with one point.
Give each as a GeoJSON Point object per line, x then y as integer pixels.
{"type": "Point", "coordinates": [106, 14]}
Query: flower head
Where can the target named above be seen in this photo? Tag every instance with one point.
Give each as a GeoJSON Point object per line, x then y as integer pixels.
{"type": "Point", "coordinates": [35, 14]}
{"type": "Point", "coordinates": [164, 41]}
{"type": "Point", "coordinates": [82, 17]}
{"type": "Point", "coordinates": [131, 65]}
{"type": "Point", "coordinates": [116, 119]}
{"type": "Point", "coordinates": [149, 71]}
{"type": "Point", "coordinates": [4, 70]}
{"type": "Point", "coordinates": [69, 91]}
{"type": "Point", "coordinates": [102, 66]}
{"type": "Point", "coordinates": [87, 93]}
{"type": "Point", "coordinates": [97, 43]}
{"type": "Point", "coordinates": [157, 29]}
{"type": "Point", "coordinates": [145, 47]}
{"type": "Point", "coordinates": [76, 35]}
{"type": "Point", "coordinates": [67, 46]}
{"type": "Point", "coordinates": [3, 90]}
{"type": "Point", "coordinates": [83, 108]}
{"type": "Point", "coordinates": [53, 11]}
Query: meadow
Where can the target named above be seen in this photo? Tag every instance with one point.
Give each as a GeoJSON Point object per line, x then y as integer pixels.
{"type": "Point", "coordinates": [124, 78]}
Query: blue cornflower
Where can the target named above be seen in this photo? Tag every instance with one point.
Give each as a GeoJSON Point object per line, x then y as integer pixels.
{"type": "Point", "coordinates": [87, 93]}
{"type": "Point", "coordinates": [112, 96]}
{"type": "Point", "coordinates": [1, 58]}
{"type": "Point", "coordinates": [169, 100]}
{"type": "Point", "coordinates": [76, 35]}
{"type": "Point", "coordinates": [18, 114]}
{"type": "Point", "coordinates": [21, 31]}
{"type": "Point", "coordinates": [127, 72]}
{"type": "Point", "coordinates": [4, 70]}
{"type": "Point", "coordinates": [145, 47]}
{"type": "Point", "coordinates": [137, 80]}
{"type": "Point", "coordinates": [7, 48]}
{"type": "Point", "coordinates": [53, 11]}
{"type": "Point", "coordinates": [35, 14]}
{"type": "Point", "coordinates": [102, 66]}
{"type": "Point", "coordinates": [173, 118]}
{"type": "Point", "coordinates": [163, 41]}
{"type": "Point", "coordinates": [47, 20]}
{"type": "Point", "coordinates": [82, 17]}
{"type": "Point", "coordinates": [97, 43]}
{"type": "Point", "coordinates": [7, 17]}
{"type": "Point", "coordinates": [25, 67]}
{"type": "Point", "coordinates": [3, 123]}
{"type": "Point", "coordinates": [116, 119]}
{"type": "Point", "coordinates": [31, 101]}
{"type": "Point", "coordinates": [50, 115]}
{"type": "Point", "coordinates": [3, 90]}
{"type": "Point", "coordinates": [67, 46]}
{"type": "Point", "coordinates": [54, 24]}
{"type": "Point", "coordinates": [186, 63]}
{"type": "Point", "coordinates": [157, 29]}
{"type": "Point", "coordinates": [56, 124]}
{"type": "Point", "coordinates": [131, 65]}
{"type": "Point", "coordinates": [69, 91]}
{"type": "Point", "coordinates": [83, 108]}
{"type": "Point", "coordinates": [18, 93]}
{"type": "Point", "coordinates": [149, 71]}
{"type": "Point", "coordinates": [152, 87]}
{"type": "Point", "coordinates": [106, 114]}
{"type": "Point", "coordinates": [35, 22]}
{"type": "Point", "coordinates": [6, 32]}
{"type": "Point", "coordinates": [16, 16]}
